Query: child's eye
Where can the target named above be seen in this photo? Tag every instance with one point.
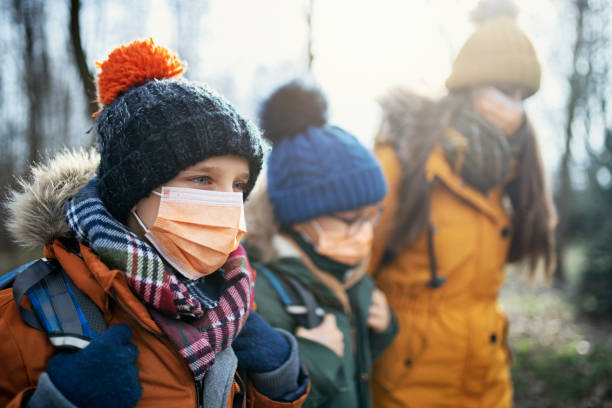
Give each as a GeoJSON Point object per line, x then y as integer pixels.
{"type": "Point", "coordinates": [204, 180]}
{"type": "Point", "coordinates": [240, 186]}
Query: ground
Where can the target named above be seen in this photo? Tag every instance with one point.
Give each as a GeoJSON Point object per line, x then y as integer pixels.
{"type": "Point", "coordinates": [560, 358]}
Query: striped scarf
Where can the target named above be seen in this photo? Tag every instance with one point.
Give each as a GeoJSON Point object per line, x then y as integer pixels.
{"type": "Point", "coordinates": [478, 151]}
{"type": "Point", "coordinates": [198, 326]}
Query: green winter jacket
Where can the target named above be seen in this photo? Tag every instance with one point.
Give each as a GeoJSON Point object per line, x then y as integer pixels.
{"type": "Point", "coordinates": [336, 382]}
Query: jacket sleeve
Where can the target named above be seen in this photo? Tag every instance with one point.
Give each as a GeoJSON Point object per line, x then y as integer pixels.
{"type": "Point", "coordinates": [289, 381]}
{"type": "Point", "coordinates": [258, 400]}
{"type": "Point", "coordinates": [17, 382]}
{"type": "Point", "coordinates": [379, 341]}
{"type": "Point", "coordinates": [48, 396]}
{"type": "Point", "coordinates": [393, 170]}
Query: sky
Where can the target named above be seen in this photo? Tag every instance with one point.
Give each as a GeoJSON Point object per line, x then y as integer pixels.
{"type": "Point", "coordinates": [361, 50]}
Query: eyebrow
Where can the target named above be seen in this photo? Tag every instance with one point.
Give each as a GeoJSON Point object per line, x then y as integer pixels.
{"type": "Point", "coordinates": [213, 169]}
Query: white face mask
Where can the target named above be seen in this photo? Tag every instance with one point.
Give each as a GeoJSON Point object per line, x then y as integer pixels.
{"type": "Point", "coordinates": [196, 230]}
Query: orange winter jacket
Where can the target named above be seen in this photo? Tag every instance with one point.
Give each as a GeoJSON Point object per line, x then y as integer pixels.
{"type": "Point", "coordinates": [165, 378]}
{"type": "Point", "coordinates": [451, 347]}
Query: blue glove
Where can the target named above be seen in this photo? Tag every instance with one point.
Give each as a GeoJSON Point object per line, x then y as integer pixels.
{"type": "Point", "coordinates": [259, 347]}
{"type": "Point", "coordinates": [102, 374]}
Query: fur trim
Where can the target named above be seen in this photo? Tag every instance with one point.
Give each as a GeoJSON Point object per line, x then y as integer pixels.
{"type": "Point", "coordinates": [36, 207]}
{"type": "Point", "coordinates": [262, 226]}
{"type": "Point", "coordinates": [412, 125]}
{"type": "Point", "coordinates": [402, 110]}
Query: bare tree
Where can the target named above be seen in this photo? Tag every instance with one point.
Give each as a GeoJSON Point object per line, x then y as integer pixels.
{"type": "Point", "coordinates": [587, 80]}
{"type": "Point", "coordinates": [309, 13]}
{"type": "Point", "coordinates": [80, 59]}
{"type": "Point", "coordinates": [29, 15]}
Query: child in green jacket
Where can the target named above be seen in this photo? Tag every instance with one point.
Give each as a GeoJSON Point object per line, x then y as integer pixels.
{"type": "Point", "coordinates": [310, 231]}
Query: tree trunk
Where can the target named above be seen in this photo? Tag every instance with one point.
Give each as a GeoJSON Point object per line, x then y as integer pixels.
{"type": "Point", "coordinates": [87, 79]}
{"type": "Point", "coordinates": [36, 78]}
{"type": "Point", "coordinates": [309, 23]}
{"type": "Point", "coordinates": [565, 188]}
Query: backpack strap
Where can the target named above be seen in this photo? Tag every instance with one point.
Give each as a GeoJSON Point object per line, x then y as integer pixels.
{"type": "Point", "coordinates": [299, 302]}
{"type": "Point", "coordinates": [60, 308]}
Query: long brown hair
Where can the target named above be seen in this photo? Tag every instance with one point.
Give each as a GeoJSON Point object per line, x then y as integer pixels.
{"type": "Point", "coordinates": [413, 125]}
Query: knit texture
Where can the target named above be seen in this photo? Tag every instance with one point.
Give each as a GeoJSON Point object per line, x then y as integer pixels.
{"type": "Point", "coordinates": [153, 131]}
{"type": "Point", "coordinates": [199, 328]}
{"type": "Point", "coordinates": [498, 52]}
{"type": "Point", "coordinates": [322, 171]}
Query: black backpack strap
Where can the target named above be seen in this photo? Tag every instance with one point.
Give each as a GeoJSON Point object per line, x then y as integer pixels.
{"type": "Point", "coordinates": [312, 313]}
{"type": "Point", "coordinates": [60, 308]}
{"type": "Point", "coordinates": [299, 302]}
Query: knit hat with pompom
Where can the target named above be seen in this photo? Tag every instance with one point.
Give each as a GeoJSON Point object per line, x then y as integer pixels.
{"type": "Point", "coordinates": [497, 53]}
{"type": "Point", "coordinates": [314, 169]}
{"type": "Point", "coordinates": [152, 124]}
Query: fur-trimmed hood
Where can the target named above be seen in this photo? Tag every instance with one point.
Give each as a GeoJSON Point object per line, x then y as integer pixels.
{"type": "Point", "coordinates": [262, 227]}
{"type": "Point", "coordinates": [36, 207]}
{"type": "Point", "coordinates": [402, 115]}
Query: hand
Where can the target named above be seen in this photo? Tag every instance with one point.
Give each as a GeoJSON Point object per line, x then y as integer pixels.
{"type": "Point", "coordinates": [259, 347]}
{"type": "Point", "coordinates": [103, 374]}
{"type": "Point", "coordinates": [380, 314]}
{"type": "Point", "coordinates": [327, 333]}
{"type": "Point", "coordinates": [501, 110]}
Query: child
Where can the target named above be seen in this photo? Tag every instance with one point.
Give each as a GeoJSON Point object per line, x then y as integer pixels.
{"type": "Point", "coordinates": [149, 231]}
{"type": "Point", "coordinates": [325, 189]}
{"type": "Point", "coordinates": [466, 196]}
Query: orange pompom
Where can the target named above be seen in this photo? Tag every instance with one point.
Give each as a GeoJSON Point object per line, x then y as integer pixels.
{"type": "Point", "coordinates": [134, 64]}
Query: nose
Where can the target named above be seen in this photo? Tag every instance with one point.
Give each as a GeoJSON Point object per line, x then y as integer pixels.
{"type": "Point", "coordinates": [517, 95]}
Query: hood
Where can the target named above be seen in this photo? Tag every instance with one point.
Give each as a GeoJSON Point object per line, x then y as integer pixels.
{"type": "Point", "coordinates": [403, 111]}
{"type": "Point", "coordinates": [262, 227]}
{"type": "Point", "coordinates": [36, 206]}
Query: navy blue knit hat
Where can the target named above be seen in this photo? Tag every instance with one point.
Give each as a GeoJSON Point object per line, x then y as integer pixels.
{"type": "Point", "coordinates": [314, 168]}
{"type": "Point", "coordinates": [152, 126]}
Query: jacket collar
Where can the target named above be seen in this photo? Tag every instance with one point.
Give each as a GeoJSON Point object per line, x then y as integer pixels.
{"type": "Point", "coordinates": [438, 168]}
{"type": "Point", "coordinates": [100, 283]}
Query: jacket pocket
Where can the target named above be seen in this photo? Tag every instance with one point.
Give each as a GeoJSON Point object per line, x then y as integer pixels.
{"type": "Point", "coordinates": [488, 360]}
{"type": "Point", "coordinates": [394, 367]}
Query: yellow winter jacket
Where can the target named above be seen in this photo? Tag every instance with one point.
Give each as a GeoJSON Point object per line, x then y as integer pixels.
{"type": "Point", "coordinates": [451, 348]}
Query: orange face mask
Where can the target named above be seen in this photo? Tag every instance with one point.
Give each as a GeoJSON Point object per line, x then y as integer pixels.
{"type": "Point", "coordinates": [196, 230]}
{"type": "Point", "coordinates": [334, 239]}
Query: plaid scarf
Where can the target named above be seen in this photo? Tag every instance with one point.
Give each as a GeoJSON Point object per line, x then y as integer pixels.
{"type": "Point", "coordinates": [199, 325]}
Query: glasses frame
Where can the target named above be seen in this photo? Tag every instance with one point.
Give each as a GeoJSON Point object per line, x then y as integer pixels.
{"type": "Point", "coordinates": [354, 224]}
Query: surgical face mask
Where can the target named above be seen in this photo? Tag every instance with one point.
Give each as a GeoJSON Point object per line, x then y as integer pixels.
{"type": "Point", "coordinates": [196, 230]}
{"type": "Point", "coordinates": [336, 240]}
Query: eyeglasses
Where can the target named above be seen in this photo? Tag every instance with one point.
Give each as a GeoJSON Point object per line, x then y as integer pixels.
{"type": "Point", "coordinates": [354, 224]}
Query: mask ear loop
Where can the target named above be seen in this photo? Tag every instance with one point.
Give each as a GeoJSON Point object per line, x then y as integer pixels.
{"type": "Point", "coordinates": [145, 229]}
{"type": "Point", "coordinates": [317, 227]}
{"type": "Point", "coordinates": [315, 224]}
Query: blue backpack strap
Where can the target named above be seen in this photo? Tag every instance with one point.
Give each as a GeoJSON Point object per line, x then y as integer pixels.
{"type": "Point", "coordinates": [60, 308]}
{"type": "Point", "coordinates": [275, 283]}
{"type": "Point", "coordinates": [299, 301]}
{"type": "Point", "coordinates": [6, 280]}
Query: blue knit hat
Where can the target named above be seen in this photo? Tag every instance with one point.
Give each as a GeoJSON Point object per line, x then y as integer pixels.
{"type": "Point", "coordinates": [314, 168]}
